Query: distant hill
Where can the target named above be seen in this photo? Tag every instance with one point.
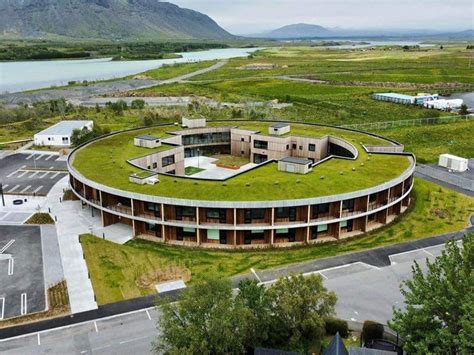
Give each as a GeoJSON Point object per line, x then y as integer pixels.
{"type": "Point", "coordinates": [105, 19]}
{"type": "Point", "coordinates": [299, 30]}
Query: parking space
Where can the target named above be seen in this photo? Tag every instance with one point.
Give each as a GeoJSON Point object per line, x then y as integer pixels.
{"type": "Point", "coordinates": [22, 288]}
{"type": "Point", "coordinates": [14, 217]}
{"type": "Point", "coordinates": [31, 173]}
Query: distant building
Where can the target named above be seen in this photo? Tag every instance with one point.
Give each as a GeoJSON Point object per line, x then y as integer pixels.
{"type": "Point", "coordinates": [60, 134]}
{"type": "Point", "coordinates": [193, 122]}
{"type": "Point", "coordinates": [445, 105]}
{"type": "Point", "coordinates": [147, 141]}
{"type": "Point", "coordinates": [419, 99]}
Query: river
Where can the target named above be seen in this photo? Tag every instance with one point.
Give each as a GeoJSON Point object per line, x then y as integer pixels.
{"type": "Point", "coordinates": [31, 75]}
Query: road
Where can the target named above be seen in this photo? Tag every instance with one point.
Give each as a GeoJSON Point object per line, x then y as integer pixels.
{"type": "Point", "coordinates": [364, 292]}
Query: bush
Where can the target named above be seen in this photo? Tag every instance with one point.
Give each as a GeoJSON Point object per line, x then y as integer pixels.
{"type": "Point", "coordinates": [137, 104]}
{"type": "Point", "coordinates": [334, 325]}
{"type": "Point", "coordinates": [372, 330]}
{"type": "Point", "coordinates": [40, 218]}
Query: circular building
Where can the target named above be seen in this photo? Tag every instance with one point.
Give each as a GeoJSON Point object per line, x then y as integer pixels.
{"type": "Point", "coordinates": [236, 184]}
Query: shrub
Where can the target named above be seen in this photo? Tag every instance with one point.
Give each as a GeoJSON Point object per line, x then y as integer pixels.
{"type": "Point", "coordinates": [334, 325]}
{"type": "Point", "coordinates": [40, 218]}
{"type": "Point", "coordinates": [372, 330]}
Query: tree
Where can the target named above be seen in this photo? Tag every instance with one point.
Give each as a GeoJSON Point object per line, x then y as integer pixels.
{"type": "Point", "coordinates": [463, 110]}
{"type": "Point", "coordinates": [255, 298]}
{"type": "Point", "coordinates": [206, 320]}
{"type": "Point", "coordinates": [439, 314]}
{"type": "Point", "coordinates": [299, 306]}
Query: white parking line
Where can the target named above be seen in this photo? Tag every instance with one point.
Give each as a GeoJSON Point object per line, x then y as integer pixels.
{"type": "Point", "coordinates": [33, 175]}
{"type": "Point", "coordinates": [2, 310]}
{"type": "Point", "coordinates": [6, 246]}
{"type": "Point", "coordinates": [39, 339]}
{"type": "Point", "coordinates": [22, 174]}
{"type": "Point", "coordinates": [39, 188]}
{"type": "Point", "coordinates": [42, 176]}
{"type": "Point", "coordinates": [13, 189]}
{"type": "Point", "coordinates": [24, 305]}
{"type": "Point", "coordinates": [253, 272]}
{"type": "Point", "coordinates": [130, 340]}
{"type": "Point", "coordinates": [5, 187]}
{"type": "Point", "coordinates": [148, 314]}
{"type": "Point", "coordinates": [96, 329]}
{"type": "Point", "coordinates": [427, 252]}
{"type": "Point", "coordinates": [25, 189]}
{"type": "Point", "coordinates": [54, 175]}
{"type": "Point", "coordinates": [50, 156]}
{"type": "Point", "coordinates": [11, 264]}
{"type": "Point", "coordinates": [30, 156]}
{"type": "Point", "coordinates": [40, 156]}
{"type": "Point", "coordinates": [12, 173]}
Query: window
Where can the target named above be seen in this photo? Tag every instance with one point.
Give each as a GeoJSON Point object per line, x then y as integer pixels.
{"type": "Point", "coordinates": [321, 210]}
{"type": "Point", "coordinates": [242, 152]}
{"type": "Point", "coordinates": [253, 235]}
{"type": "Point", "coordinates": [348, 205]}
{"type": "Point", "coordinates": [372, 197]}
{"type": "Point", "coordinates": [322, 228]}
{"type": "Point", "coordinates": [242, 139]}
{"type": "Point", "coordinates": [49, 138]}
{"type": "Point", "coordinates": [281, 231]}
{"type": "Point", "coordinates": [153, 229]}
{"type": "Point", "coordinates": [287, 147]}
{"type": "Point", "coordinates": [216, 213]}
{"type": "Point", "coordinates": [301, 147]}
{"type": "Point", "coordinates": [286, 212]}
{"type": "Point", "coordinates": [293, 146]}
{"type": "Point", "coordinates": [155, 165]}
{"type": "Point", "coordinates": [260, 144]}
{"type": "Point", "coordinates": [185, 232]}
{"type": "Point", "coordinates": [312, 147]}
{"type": "Point", "coordinates": [254, 214]}
{"type": "Point", "coordinates": [259, 158]}
{"type": "Point", "coordinates": [182, 211]}
{"type": "Point", "coordinates": [347, 225]}
{"type": "Point", "coordinates": [153, 208]}
{"type": "Point", "coordinates": [213, 234]}
{"type": "Point", "coordinates": [65, 139]}
{"type": "Point", "coordinates": [165, 161]}
{"type": "Point", "coordinates": [318, 230]}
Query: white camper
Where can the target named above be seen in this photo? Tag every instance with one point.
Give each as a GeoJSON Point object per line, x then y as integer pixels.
{"type": "Point", "coordinates": [453, 162]}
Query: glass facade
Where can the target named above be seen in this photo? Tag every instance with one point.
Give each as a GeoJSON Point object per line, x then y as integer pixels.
{"type": "Point", "coordinates": [206, 138]}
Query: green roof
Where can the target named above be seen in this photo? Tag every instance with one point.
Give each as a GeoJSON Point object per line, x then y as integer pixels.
{"type": "Point", "coordinates": [105, 161]}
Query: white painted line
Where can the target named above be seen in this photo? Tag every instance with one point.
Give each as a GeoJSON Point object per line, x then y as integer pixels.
{"type": "Point", "coordinates": [134, 339]}
{"type": "Point", "coordinates": [49, 157]}
{"type": "Point", "coordinates": [24, 305]}
{"type": "Point", "coordinates": [39, 339]}
{"type": "Point", "coordinates": [95, 325]}
{"type": "Point", "coordinates": [6, 246]}
{"type": "Point", "coordinates": [11, 264]}
{"type": "Point", "coordinates": [148, 314]}
{"type": "Point", "coordinates": [30, 156]}
{"type": "Point", "coordinates": [42, 176]}
{"type": "Point", "coordinates": [37, 189]}
{"type": "Point", "coordinates": [253, 272]}
{"type": "Point", "coordinates": [40, 156]}
{"type": "Point", "coordinates": [25, 189]}
{"type": "Point", "coordinates": [14, 188]}
{"type": "Point", "coordinates": [54, 175]}
{"type": "Point", "coordinates": [22, 174]}
{"type": "Point", "coordinates": [2, 310]}
{"type": "Point", "coordinates": [33, 175]}
{"type": "Point", "coordinates": [324, 276]}
{"type": "Point", "coordinates": [5, 186]}
{"type": "Point", "coordinates": [427, 252]}
{"type": "Point", "coordinates": [12, 173]}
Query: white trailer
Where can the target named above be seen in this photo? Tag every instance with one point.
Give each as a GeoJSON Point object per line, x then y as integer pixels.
{"type": "Point", "coordinates": [453, 162]}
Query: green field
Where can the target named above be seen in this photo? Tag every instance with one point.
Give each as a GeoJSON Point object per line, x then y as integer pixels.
{"type": "Point", "coordinates": [115, 269]}
{"type": "Point", "coordinates": [264, 183]}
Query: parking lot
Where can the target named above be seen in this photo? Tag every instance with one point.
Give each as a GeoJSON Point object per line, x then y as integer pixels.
{"type": "Point", "coordinates": [31, 173]}
{"type": "Point", "coordinates": [22, 288]}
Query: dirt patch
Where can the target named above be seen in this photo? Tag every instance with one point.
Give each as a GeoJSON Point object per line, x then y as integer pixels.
{"type": "Point", "coordinates": [441, 213]}
{"type": "Point", "coordinates": [169, 273]}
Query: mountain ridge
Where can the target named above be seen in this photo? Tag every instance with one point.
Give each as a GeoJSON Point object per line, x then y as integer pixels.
{"type": "Point", "coordinates": [105, 19]}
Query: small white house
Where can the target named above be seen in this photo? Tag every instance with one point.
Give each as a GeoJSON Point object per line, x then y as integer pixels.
{"type": "Point", "coordinates": [453, 162]}
{"type": "Point", "coordinates": [60, 134]}
{"type": "Point", "coordinates": [295, 165]}
{"type": "Point", "coordinates": [147, 141]}
{"type": "Point", "coordinates": [279, 129]}
{"type": "Point", "coordinates": [193, 122]}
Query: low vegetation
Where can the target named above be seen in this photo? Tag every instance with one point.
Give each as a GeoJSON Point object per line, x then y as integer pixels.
{"type": "Point", "coordinates": [115, 269]}
{"type": "Point", "coordinates": [40, 218]}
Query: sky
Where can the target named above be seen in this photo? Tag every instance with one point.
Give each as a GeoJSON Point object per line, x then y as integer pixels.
{"type": "Point", "coordinates": [254, 16]}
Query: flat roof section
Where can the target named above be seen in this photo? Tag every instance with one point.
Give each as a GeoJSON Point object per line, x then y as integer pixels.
{"type": "Point", "coordinates": [299, 161]}
{"type": "Point", "coordinates": [395, 95]}
{"type": "Point", "coordinates": [147, 137]}
{"type": "Point", "coordinates": [64, 128]}
{"type": "Point", "coordinates": [280, 125]}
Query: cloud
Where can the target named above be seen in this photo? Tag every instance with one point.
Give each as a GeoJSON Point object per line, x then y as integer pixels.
{"type": "Point", "coordinates": [250, 16]}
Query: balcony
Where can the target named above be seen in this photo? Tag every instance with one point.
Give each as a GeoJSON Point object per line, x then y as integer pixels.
{"type": "Point", "coordinates": [149, 215]}
{"type": "Point", "coordinates": [120, 208]}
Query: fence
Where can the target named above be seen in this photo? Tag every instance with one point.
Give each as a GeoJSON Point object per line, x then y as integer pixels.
{"type": "Point", "coordinates": [374, 126]}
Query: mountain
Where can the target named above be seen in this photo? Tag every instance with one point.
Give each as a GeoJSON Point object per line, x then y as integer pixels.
{"type": "Point", "coordinates": [299, 30]}
{"type": "Point", "coordinates": [105, 19]}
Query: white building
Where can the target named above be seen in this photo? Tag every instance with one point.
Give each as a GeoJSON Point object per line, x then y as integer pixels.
{"type": "Point", "coordinates": [453, 162]}
{"type": "Point", "coordinates": [60, 133]}
{"type": "Point", "coordinates": [443, 104]}
{"type": "Point", "coordinates": [193, 122]}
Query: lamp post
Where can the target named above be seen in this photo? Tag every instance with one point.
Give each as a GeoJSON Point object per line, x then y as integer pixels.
{"type": "Point", "coordinates": [198, 157]}
{"type": "Point", "coordinates": [1, 193]}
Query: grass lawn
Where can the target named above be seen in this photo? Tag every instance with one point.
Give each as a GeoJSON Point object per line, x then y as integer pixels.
{"type": "Point", "coordinates": [191, 170]}
{"type": "Point", "coordinates": [173, 70]}
{"type": "Point", "coordinates": [116, 269]}
{"type": "Point", "coordinates": [428, 142]}
{"type": "Point", "coordinates": [230, 160]}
